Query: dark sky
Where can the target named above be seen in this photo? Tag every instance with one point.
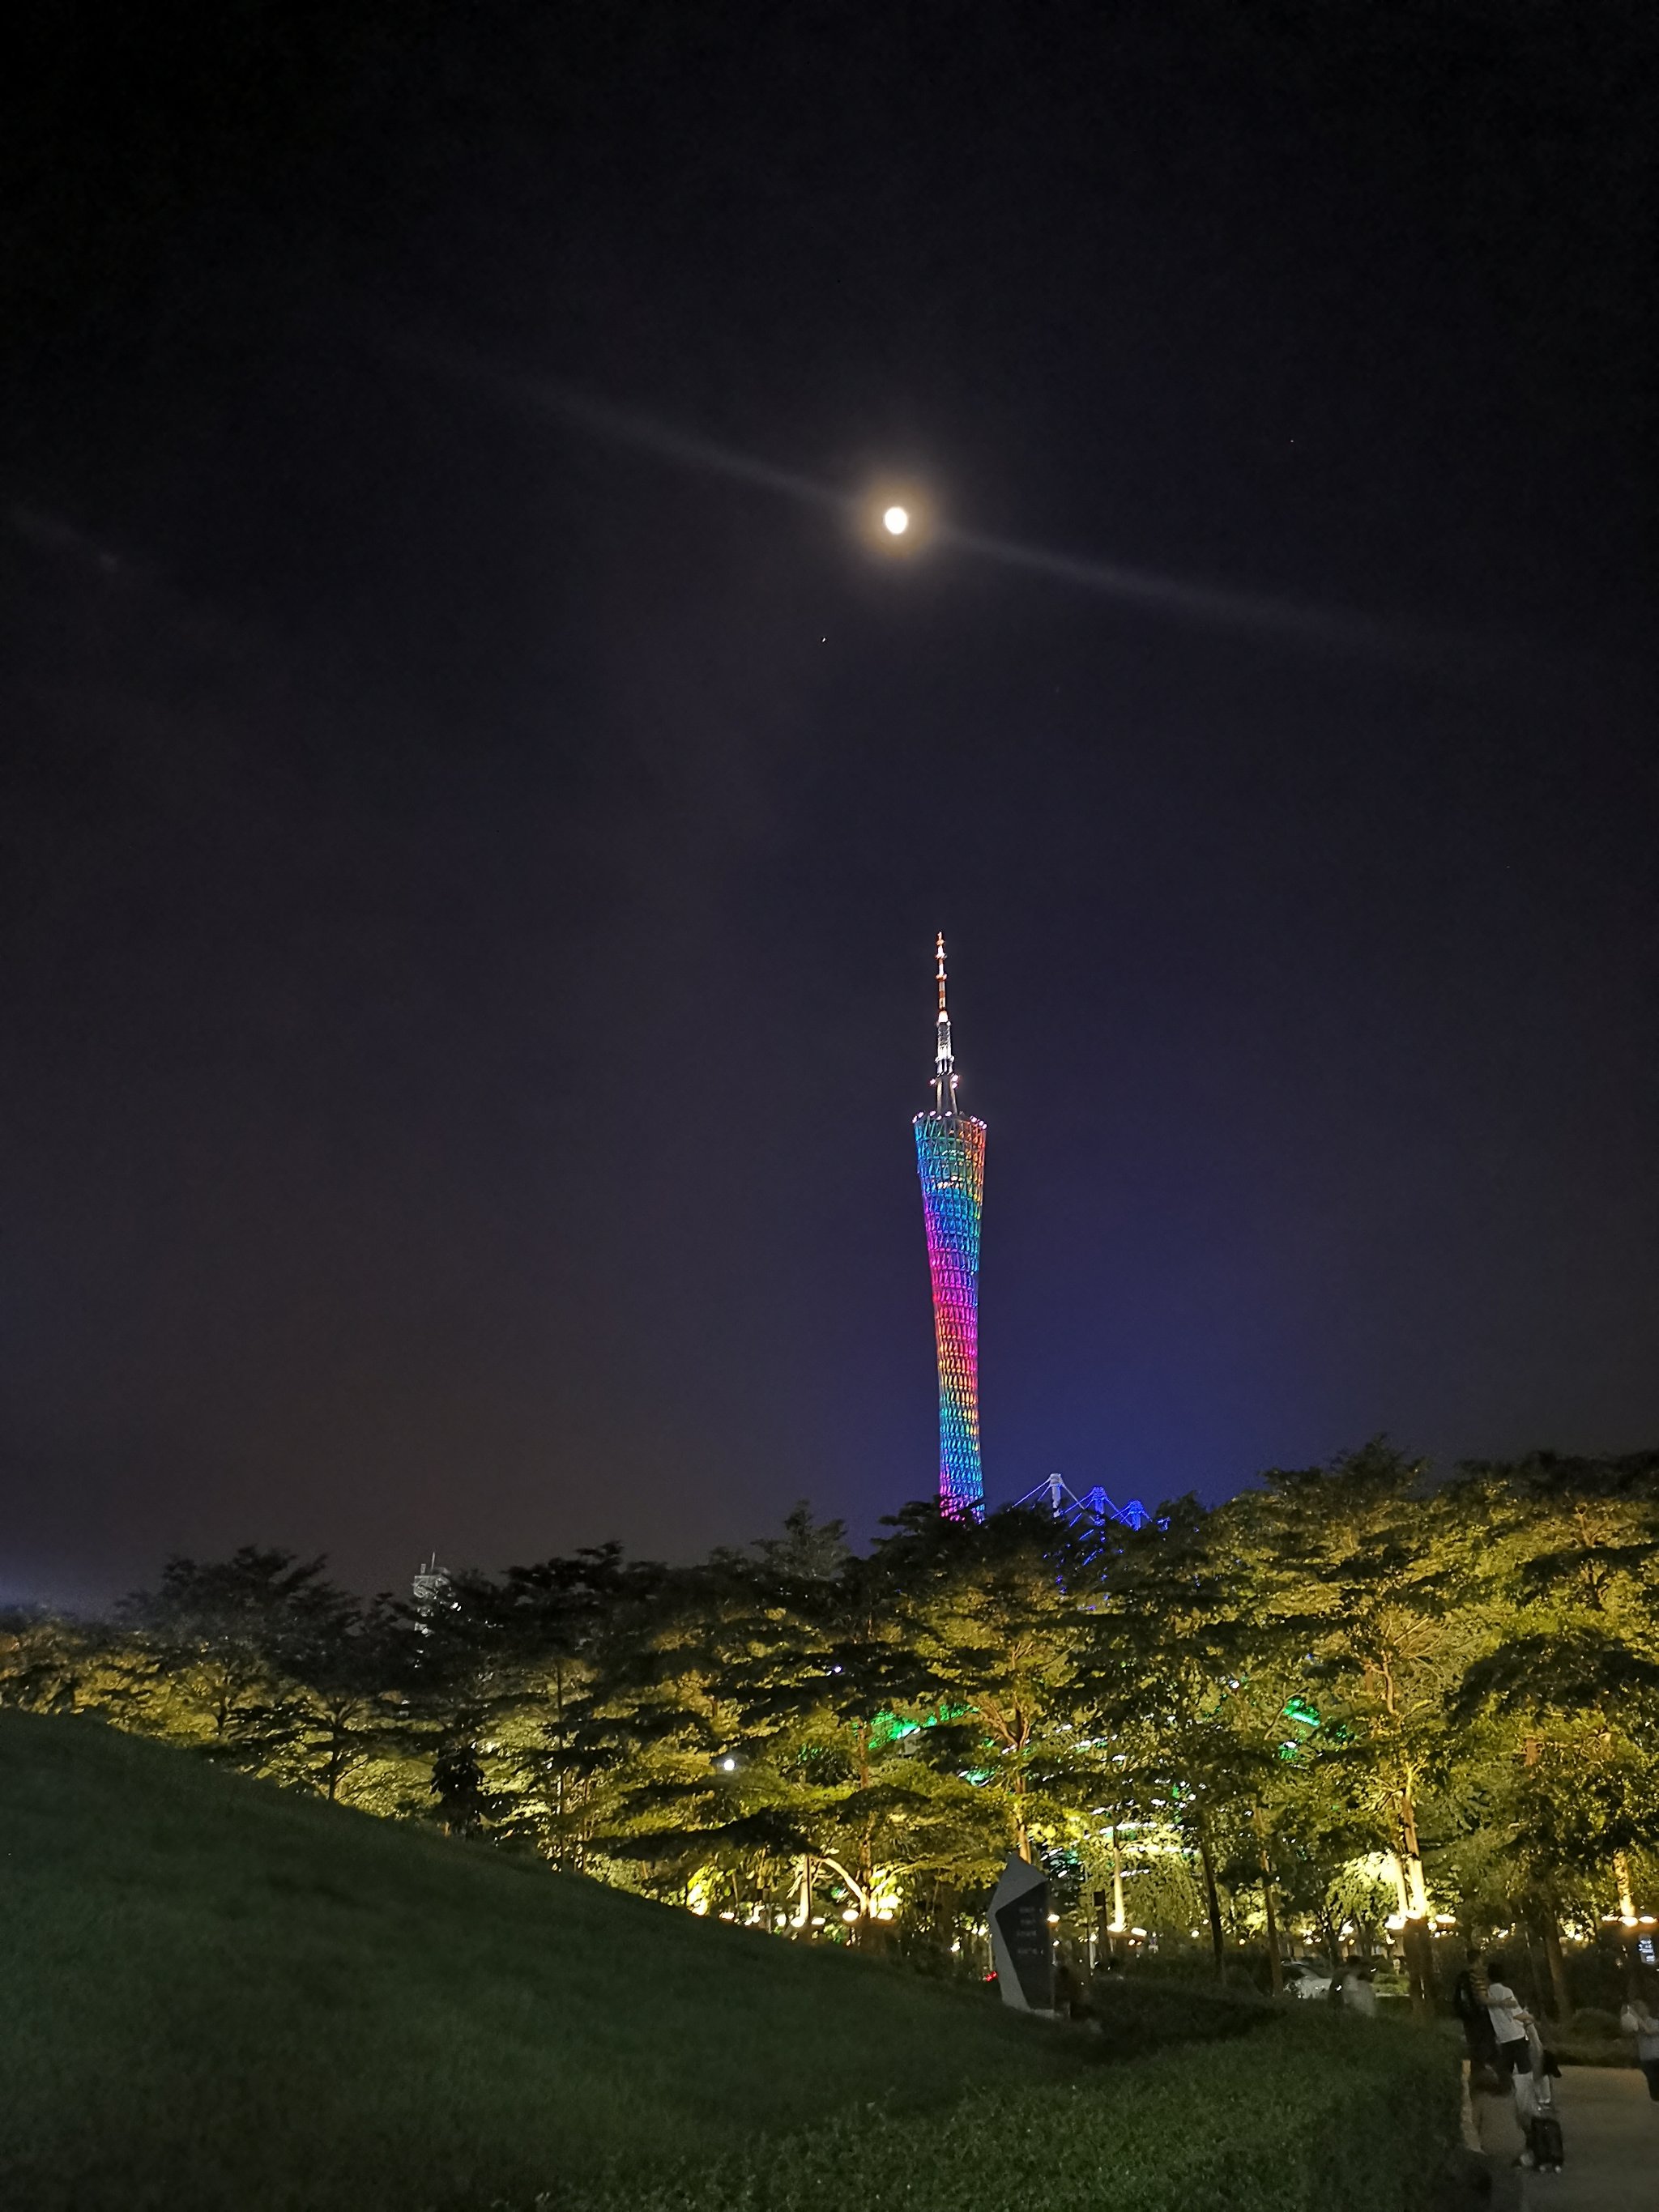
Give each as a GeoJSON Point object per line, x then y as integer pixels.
{"type": "Point", "coordinates": [469, 880]}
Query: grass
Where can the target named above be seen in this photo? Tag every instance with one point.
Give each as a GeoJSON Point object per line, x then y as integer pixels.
{"type": "Point", "coordinates": [219, 1995]}
{"type": "Point", "coordinates": [1312, 2114]}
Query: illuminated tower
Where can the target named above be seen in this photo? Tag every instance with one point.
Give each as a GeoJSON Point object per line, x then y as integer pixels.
{"type": "Point", "coordinates": [950, 1161]}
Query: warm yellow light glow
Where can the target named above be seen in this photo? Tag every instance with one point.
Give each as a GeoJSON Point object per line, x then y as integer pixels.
{"type": "Point", "coordinates": [896, 521]}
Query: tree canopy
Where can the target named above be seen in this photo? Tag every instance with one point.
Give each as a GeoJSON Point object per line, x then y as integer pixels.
{"type": "Point", "coordinates": [1350, 1698]}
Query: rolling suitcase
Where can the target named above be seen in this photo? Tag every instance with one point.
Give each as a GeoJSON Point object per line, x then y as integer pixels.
{"type": "Point", "coordinates": [1544, 2141]}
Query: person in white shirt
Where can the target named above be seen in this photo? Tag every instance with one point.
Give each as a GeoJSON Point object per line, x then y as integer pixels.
{"type": "Point", "coordinates": [1509, 2021]}
{"type": "Point", "coordinates": [1638, 2018]}
{"type": "Point", "coordinates": [1357, 1994]}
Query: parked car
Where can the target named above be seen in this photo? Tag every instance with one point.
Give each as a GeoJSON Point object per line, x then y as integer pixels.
{"type": "Point", "coordinates": [1307, 1977]}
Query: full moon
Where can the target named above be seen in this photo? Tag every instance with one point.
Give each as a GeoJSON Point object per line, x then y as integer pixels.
{"type": "Point", "coordinates": [896, 520]}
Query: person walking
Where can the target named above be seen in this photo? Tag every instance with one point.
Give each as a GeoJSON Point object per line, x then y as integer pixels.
{"type": "Point", "coordinates": [1357, 1994]}
{"type": "Point", "coordinates": [1509, 2021]}
{"type": "Point", "coordinates": [1638, 2018]}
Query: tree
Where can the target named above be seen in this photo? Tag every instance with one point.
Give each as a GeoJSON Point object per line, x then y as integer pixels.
{"type": "Point", "coordinates": [49, 1663]}
{"type": "Point", "coordinates": [1355, 1564]}
{"type": "Point", "coordinates": [500, 1673]}
{"type": "Point", "coordinates": [341, 1701]}
{"type": "Point", "coordinates": [995, 1612]}
{"type": "Point", "coordinates": [1569, 1676]}
{"type": "Point", "coordinates": [217, 1638]}
{"type": "Point", "coordinates": [1169, 1696]}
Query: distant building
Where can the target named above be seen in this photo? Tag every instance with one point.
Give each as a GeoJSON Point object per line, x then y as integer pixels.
{"type": "Point", "coordinates": [430, 1588]}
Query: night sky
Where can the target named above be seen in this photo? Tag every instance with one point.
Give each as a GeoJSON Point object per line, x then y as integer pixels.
{"type": "Point", "coordinates": [470, 876]}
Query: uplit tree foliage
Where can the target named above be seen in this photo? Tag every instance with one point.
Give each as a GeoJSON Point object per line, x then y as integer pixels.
{"type": "Point", "coordinates": [1345, 1703]}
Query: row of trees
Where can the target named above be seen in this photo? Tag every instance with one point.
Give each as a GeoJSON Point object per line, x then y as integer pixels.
{"type": "Point", "coordinates": [1345, 1701]}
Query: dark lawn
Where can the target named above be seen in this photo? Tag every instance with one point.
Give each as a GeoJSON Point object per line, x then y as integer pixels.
{"type": "Point", "coordinates": [218, 1994]}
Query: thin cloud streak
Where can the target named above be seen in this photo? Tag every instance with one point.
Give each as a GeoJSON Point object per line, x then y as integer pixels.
{"type": "Point", "coordinates": [1214, 604]}
{"type": "Point", "coordinates": [1207, 602]}
{"type": "Point", "coordinates": [621, 427]}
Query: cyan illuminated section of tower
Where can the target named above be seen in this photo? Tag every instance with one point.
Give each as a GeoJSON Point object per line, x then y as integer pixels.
{"type": "Point", "coordinates": [950, 1161]}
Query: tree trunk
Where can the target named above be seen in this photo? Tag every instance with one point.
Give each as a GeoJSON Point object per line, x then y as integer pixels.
{"type": "Point", "coordinates": [1557, 1966]}
{"type": "Point", "coordinates": [1022, 1833]}
{"type": "Point", "coordinates": [1627, 1889]}
{"type": "Point", "coordinates": [1275, 1971]}
{"type": "Point", "coordinates": [1415, 1940]}
{"type": "Point", "coordinates": [1411, 1857]}
{"type": "Point", "coordinates": [1332, 1940]}
{"type": "Point", "coordinates": [1402, 1896]}
{"type": "Point", "coordinates": [1213, 1902]}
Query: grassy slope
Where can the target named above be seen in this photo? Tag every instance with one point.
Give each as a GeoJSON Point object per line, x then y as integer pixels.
{"type": "Point", "coordinates": [214, 1994]}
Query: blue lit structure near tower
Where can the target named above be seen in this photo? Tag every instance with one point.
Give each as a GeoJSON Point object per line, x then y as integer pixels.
{"type": "Point", "coordinates": [951, 1162]}
{"type": "Point", "coordinates": [1057, 1496]}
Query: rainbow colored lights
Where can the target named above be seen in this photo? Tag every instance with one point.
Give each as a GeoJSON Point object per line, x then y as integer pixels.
{"type": "Point", "coordinates": [951, 1162]}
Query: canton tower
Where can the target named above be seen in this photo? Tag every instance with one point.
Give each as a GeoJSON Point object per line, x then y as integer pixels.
{"type": "Point", "coordinates": [950, 1161]}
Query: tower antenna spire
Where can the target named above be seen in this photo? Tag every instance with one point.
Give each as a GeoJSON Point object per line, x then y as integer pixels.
{"type": "Point", "coordinates": [944, 1065]}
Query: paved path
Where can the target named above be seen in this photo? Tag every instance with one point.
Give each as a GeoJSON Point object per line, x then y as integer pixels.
{"type": "Point", "coordinates": [1610, 2130]}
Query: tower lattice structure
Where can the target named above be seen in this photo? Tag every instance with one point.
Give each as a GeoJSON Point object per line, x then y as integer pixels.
{"type": "Point", "coordinates": [950, 1161]}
